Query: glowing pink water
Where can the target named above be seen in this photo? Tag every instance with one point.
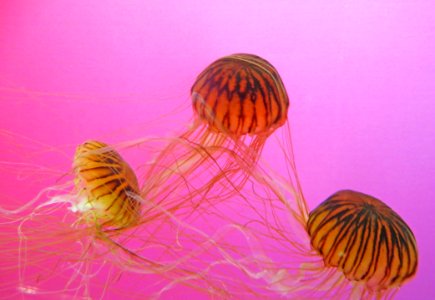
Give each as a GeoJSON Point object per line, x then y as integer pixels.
{"type": "Point", "coordinates": [360, 78]}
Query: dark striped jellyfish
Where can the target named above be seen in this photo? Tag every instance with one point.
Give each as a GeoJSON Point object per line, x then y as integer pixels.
{"type": "Point", "coordinates": [238, 102]}
{"type": "Point", "coordinates": [352, 246]}
{"type": "Point", "coordinates": [77, 239]}
{"type": "Point", "coordinates": [365, 241]}
{"type": "Point", "coordinates": [240, 94]}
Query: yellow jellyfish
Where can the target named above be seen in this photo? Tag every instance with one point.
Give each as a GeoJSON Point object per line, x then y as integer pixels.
{"type": "Point", "coordinates": [107, 187]}
{"type": "Point", "coordinates": [61, 237]}
{"type": "Point", "coordinates": [79, 243]}
{"type": "Point", "coordinates": [238, 101]}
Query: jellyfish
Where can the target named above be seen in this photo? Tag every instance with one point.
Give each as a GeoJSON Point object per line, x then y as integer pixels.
{"type": "Point", "coordinates": [89, 233]}
{"type": "Point", "coordinates": [67, 232]}
{"type": "Point", "coordinates": [363, 238]}
{"type": "Point", "coordinates": [107, 187]}
{"type": "Point", "coordinates": [238, 102]}
{"type": "Point", "coordinates": [241, 94]}
{"type": "Point", "coordinates": [352, 246]}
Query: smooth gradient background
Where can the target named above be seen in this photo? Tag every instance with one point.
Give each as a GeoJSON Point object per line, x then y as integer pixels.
{"type": "Point", "coordinates": [360, 76]}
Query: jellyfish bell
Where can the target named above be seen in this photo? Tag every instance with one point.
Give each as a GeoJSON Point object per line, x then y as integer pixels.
{"type": "Point", "coordinates": [107, 186]}
{"type": "Point", "coordinates": [365, 239]}
{"type": "Point", "coordinates": [240, 94]}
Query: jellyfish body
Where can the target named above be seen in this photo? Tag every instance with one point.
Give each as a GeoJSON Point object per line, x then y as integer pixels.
{"type": "Point", "coordinates": [107, 186]}
{"type": "Point", "coordinates": [240, 94]}
{"type": "Point", "coordinates": [238, 102]}
{"type": "Point", "coordinates": [365, 239]}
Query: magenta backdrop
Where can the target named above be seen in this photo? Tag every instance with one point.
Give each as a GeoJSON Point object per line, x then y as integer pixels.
{"type": "Point", "coordinates": [360, 75]}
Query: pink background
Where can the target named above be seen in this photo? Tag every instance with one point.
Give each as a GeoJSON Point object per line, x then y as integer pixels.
{"type": "Point", "coordinates": [360, 76]}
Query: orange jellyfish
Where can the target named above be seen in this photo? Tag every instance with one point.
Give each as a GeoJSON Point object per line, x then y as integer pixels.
{"type": "Point", "coordinates": [238, 101]}
{"type": "Point", "coordinates": [365, 240]}
{"type": "Point", "coordinates": [241, 94]}
{"type": "Point", "coordinates": [352, 246]}
{"type": "Point", "coordinates": [79, 243]}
